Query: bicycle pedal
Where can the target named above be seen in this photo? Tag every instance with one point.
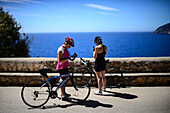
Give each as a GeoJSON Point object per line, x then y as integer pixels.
{"type": "Point", "coordinates": [59, 98]}
{"type": "Point", "coordinates": [53, 96]}
{"type": "Point", "coordinates": [44, 107]}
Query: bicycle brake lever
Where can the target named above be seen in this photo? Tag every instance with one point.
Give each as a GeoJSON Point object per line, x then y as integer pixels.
{"type": "Point", "coordinates": [82, 61]}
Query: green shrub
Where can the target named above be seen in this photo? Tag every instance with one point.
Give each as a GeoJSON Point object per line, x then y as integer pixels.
{"type": "Point", "coordinates": [11, 42]}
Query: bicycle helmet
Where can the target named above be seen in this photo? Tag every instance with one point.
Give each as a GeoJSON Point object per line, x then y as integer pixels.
{"type": "Point", "coordinates": [70, 41]}
{"type": "Point", "coordinates": [98, 39]}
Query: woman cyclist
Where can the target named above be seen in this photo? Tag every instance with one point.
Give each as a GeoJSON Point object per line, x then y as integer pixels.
{"type": "Point", "coordinates": [63, 63]}
{"type": "Point", "coordinates": [100, 65]}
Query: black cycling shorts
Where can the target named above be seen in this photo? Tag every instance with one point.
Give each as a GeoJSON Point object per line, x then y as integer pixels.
{"type": "Point", "coordinates": [63, 71]}
{"type": "Point", "coordinates": [100, 67]}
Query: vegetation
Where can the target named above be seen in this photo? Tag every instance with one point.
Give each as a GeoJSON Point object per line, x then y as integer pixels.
{"type": "Point", "coordinates": [11, 42]}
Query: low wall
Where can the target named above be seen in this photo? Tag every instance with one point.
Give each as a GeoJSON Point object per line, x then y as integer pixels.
{"type": "Point", "coordinates": [127, 65]}
{"type": "Point", "coordinates": [149, 71]}
{"type": "Point", "coordinates": [133, 79]}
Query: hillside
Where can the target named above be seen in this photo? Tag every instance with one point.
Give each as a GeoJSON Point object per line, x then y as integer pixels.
{"type": "Point", "coordinates": [163, 29]}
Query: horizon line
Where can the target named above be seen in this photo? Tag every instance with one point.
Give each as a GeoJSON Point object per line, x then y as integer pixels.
{"type": "Point", "coordinates": [88, 32]}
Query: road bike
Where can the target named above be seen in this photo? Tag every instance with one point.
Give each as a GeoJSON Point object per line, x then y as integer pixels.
{"type": "Point", "coordinates": [37, 92]}
{"type": "Point", "coordinates": [114, 76]}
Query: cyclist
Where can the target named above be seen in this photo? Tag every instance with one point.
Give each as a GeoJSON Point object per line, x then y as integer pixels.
{"type": "Point", "coordinates": [99, 55]}
{"type": "Point", "coordinates": [63, 63]}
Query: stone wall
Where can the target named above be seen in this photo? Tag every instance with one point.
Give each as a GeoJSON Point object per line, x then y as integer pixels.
{"type": "Point", "coordinates": [139, 79]}
{"type": "Point", "coordinates": [127, 65]}
{"type": "Point", "coordinates": [149, 71]}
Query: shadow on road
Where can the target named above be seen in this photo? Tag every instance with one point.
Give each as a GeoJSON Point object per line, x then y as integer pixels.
{"type": "Point", "coordinates": [75, 102]}
{"type": "Point", "coordinates": [121, 95]}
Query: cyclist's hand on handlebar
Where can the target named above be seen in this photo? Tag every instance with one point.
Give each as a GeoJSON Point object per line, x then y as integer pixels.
{"type": "Point", "coordinates": [82, 60]}
{"type": "Point", "coordinates": [72, 58]}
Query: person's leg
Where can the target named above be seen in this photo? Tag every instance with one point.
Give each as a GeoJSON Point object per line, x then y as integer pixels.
{"type": "Point", "coordinates": [64, 95]}
{"type": "Point", "coordinates": [63, 72]}
{"type": "Point", "coordinates": [98, 75]}
{"type": "Point", "coordinates": [62, 88]}
{"type": "Point", "coordinates": [103, 79]}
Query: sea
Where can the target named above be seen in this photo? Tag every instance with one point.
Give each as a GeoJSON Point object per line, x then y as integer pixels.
{"type": "Point", "coordinates": [119, 44]}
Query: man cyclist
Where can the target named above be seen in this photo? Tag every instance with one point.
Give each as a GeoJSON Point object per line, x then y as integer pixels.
{"type": "Point", "coordinates": [63, 63]}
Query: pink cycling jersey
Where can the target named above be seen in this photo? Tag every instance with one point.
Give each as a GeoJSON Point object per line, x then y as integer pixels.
{"type": "Point", "coordinates": [65, 54]}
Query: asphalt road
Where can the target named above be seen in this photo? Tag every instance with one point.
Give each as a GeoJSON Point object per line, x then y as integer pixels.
{"type": "Point", "coordinates": [123, 100]}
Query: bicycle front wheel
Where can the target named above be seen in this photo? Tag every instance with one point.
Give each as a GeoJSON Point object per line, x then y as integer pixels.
{"type": "Point", "coordinates": [82, 72]}
{"type": "Point", "coordinates": [79, 92]}
{"type": "Point", "coordinates": [114, 77]}
{"type": "Point", "coordinates": [35, 93]}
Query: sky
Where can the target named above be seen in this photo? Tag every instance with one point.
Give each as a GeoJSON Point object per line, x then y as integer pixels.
{"type": "Point", "coordinates": [37, 16]}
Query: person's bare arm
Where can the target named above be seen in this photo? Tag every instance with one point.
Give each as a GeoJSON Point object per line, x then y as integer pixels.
{"type": "Point", "coordinates": [59, 54]}
{"type": "Point", "coordinates": [95, 53]}
{"type": "Point", "coordinates": [97, 50]}
{"type": "Point", "coordinates": [105, 50]}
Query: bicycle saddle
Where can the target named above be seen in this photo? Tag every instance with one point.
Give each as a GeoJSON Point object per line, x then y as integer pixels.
{"type": "Point", "coordinates": [44, 70]}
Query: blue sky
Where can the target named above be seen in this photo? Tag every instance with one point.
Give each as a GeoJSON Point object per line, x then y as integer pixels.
{"type": "Point", "coordinates": [88, 15]}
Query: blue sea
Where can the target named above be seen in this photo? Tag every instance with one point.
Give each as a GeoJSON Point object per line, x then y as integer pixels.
{"type": "Point", "coordinates": [119, 44]}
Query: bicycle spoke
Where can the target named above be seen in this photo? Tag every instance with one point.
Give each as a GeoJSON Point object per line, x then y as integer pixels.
{"type": "Point", "coordinates": [86, 74]}
{"type": "Point", "coordinates": [80, 92]}
{"type": "Point", "coordinates": [114, 77]}
{"type": "Point", "coordinates": [35, 96]}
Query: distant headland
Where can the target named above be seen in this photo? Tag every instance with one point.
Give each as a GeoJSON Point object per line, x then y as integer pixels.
{"type": "Point", "coordinates": [163, 29]}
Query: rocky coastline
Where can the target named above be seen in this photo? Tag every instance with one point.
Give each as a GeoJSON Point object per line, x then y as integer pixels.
{"type": "Point", "coordinates": [163, 29]}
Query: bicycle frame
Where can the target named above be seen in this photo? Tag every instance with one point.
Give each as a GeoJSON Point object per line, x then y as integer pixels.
{"type": "Point", "coordinates": [88, 65]}
{"type": "Point", "coordinates": [40, 94]}
{"type": "Point", "coordinates": [92, 70]}
{"type": "Point", "coordinates": [88, 68]}
{"type": "Point", "coordinates": [60, 76]}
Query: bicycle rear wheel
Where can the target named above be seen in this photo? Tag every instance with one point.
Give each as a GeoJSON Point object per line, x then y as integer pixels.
{"type": "Point", "coordinates": [114, 77]}
{"type": "Point", "coordinates": [35, 93]}
{"type": "Point", "coordinates": [79, 92]}
{"type": "Point", "coordinates": [82, 72]}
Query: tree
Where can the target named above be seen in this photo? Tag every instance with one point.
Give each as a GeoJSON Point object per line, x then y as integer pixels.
{"type": "Point", "coordinates": [11, 42]}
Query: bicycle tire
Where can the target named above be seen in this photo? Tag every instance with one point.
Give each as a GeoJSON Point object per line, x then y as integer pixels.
{"type": "Point", "coordinates": [82, 72]}
{"type": "Point", "coordinates": [114, 77]}
{"type": "Point", "coordinates": [79, 92]}
{"type": "Point", "coordinates": [31, 95]}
